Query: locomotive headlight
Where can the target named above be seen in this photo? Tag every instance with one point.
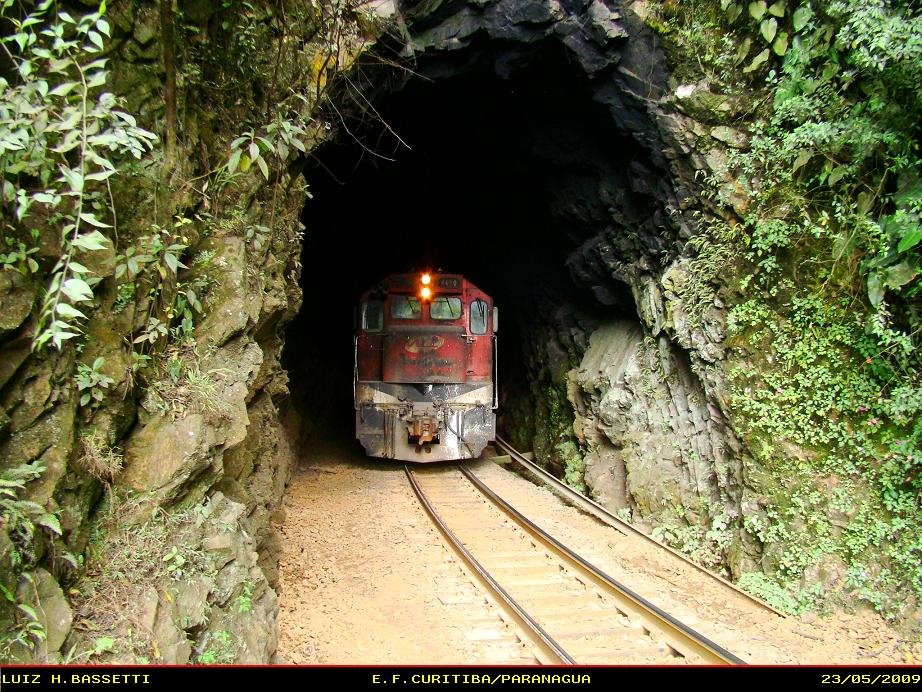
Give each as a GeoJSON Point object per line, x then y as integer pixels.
{"type": "Point", "coordinates": [425, 293]}
{"type": "Point", "coordinates": [425, 280]}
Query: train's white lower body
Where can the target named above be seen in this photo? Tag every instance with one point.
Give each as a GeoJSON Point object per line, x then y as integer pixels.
{"type": "Point", "coordinates": [424, 422]}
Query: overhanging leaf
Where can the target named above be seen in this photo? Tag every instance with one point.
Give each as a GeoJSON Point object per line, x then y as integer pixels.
{"type": "Point", "coordinates": [743, 51]}
{"type": "Point", "coordinates": [95, 38]}
{"type": "Point", "coordinates": [875, 289]}
{"type": "Point", "coordinates": [901, 274]}
{"type": "Point", "coordinates": [837, 174]}
{"type": "Point", "coordinates": [779, 8]}
{"type": "Point", "coordinates": [66, 310]}
{"type": "Point", "coordinates": [768, 28]}
{"type": "Point", "coordinates": [780, 46]}
{"type": "Point", "coordinates": [91, 219]}
{"type": "Point", "coordinates": [234, 160]}
{"type": "Point", "coordinates": [733, 12]}
{"type": "Point", "coordinates": [91, 241]}
{"type": "Point", "coordinates": [757, 9]}
{"type": "Point", "coordinates": [77, 290]}
{"type": "Point", "coordinates": [803, 157]}
{"type": "Point", "coordinates": [63, 89]}
{"type": "Point", "coordinates": [50, 522]}
{"type": "Point", "coordinates": [910, 240]}
{"type": "Point", "coordinates": [760, 59]}
{"type": "Point", "coordinates": [801, 17]}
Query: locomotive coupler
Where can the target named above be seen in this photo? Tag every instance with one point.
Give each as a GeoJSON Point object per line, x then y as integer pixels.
{"type": "Point", "coordinates": [423, 430]}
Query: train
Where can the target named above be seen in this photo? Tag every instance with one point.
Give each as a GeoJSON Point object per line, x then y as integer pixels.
{"type": "Point", "coordinates": [424, 383]}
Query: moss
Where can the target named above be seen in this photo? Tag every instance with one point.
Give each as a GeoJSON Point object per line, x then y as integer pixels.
{"type": "Point", "coordinates": [574, 465]}
{"type": "Point", "coordinates": [553, 440]}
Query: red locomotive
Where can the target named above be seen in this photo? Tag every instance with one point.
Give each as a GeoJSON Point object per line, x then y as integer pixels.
{"type": "Point", "coordinates": [425, 351]}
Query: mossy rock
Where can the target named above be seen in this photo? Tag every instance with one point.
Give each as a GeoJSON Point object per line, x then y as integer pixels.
{"type": "Point", "coordinates": [17, 296]}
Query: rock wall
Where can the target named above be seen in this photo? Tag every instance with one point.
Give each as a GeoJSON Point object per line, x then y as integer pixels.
{"type": "Point", "coordinates": [630, 379]}
{"type": "Point", "coordinates": [199, 426]}
{"type": "Point", "coordinates": [629, 384]}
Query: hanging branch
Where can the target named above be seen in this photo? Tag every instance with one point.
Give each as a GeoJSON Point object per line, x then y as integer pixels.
{"type": "Point", "coordinates": [169, 87]}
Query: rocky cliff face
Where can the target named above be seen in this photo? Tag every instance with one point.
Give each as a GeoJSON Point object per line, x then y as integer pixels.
{"type": "Point", "coordinates": [191, 429]}
{"type": "Point", "coordinates": [625, 386]}
{"type": "Point", "coordinates": [639, 367]}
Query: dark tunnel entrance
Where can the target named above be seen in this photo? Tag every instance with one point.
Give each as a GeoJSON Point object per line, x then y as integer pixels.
{"type": "Point", "coordinates": [467, 188]}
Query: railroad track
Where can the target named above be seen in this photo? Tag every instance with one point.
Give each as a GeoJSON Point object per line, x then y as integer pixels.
{"type": "Point", "coordinates": [584, 503]}
{"type": "Point", "coordinates": [571, 611]}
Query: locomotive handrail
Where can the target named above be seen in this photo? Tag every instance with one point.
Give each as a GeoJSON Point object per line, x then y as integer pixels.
{"type": "Point", "coordinates": [425, 327]}
{"type": "Point", "coordinates": [606, 517]}
{"type": "Point", "coordinates": [495, 374]}
{"type": "Point", "coordinates": [355, 370]}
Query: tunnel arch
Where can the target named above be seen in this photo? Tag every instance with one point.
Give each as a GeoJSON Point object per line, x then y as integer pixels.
{"type": "Point", "coordinates": [534, 147]}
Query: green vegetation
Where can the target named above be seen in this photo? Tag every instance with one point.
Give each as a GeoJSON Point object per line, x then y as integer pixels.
{"type": "Point", "coordinates": [26, 631]}
{"type": "Point", "coordinates": [126, 561]}
{"type": "Point", "coordinates": [825, 323]}
{"type": "Point", "coordinates": [62, 137]}
{"type": "Point", "coordinates": [244, 602]}
{"type": "Point", "coordinates": [706, 546]}
{"type": "Point", "coordinates": [59, 131]}
{"type": "Point", "coordinates": [553, 441]}
{"type": "Point", "coordinates": [98, 457]}
{"type": "Point", "coordinates": [113, 232]}
{"type": "Point", "coordinates": [21, 520]}
{"type": "Point", "coordinates": [91, 383]}
{"type": "Point", "coordinates": [217, 647]}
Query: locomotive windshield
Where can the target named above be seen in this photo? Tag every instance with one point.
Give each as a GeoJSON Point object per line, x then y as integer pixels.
{"type": "Point", "coordinates": [373, 316]}
{"type": "Point", "coordinates": [478, 317]}
{"type": "Point", "coordinates": [405, 308]}
{"type": "Point", "coordinates": [445, 308]}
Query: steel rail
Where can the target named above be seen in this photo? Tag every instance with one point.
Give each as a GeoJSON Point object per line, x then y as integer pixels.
{"type": "Point", "coordinates": [677, 634]}
{"type": "Point", "coordinates": [606, 517]}
{"type": "Point", "coordinates": [545, 642]}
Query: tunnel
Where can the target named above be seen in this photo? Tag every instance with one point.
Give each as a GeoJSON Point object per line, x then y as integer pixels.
{"type": "Point", "coordinates": [543, 160]}
{"type": "Point", "coordinates": [454, 175]}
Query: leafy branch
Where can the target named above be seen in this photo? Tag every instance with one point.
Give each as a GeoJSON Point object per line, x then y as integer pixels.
{"type": "Point", "coordinates": [57, 128]}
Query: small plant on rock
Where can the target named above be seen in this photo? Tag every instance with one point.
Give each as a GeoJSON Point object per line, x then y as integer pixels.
{"type": "Point", "coordinates": [98, 457]}
{"type": "Point", "coordinates": [92, 384]}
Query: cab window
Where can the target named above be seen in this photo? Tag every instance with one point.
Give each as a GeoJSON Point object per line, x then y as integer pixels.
{"type": "Point", "coordinates": [373, 316]}
{"type": "Point", "coordinates": [479, 312]}
{"type": "Point", "coordinates": [445, 308]}
{"type": "Point", "coordinates": [405, 308]}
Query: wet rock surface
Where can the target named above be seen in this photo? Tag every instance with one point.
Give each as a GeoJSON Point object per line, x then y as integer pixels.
{"type": "Point", "coordinates": [174, 434]}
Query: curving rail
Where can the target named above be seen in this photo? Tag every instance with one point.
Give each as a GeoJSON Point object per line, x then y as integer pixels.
{"type": "Point", "coordinates": [612, 614]}
{"type": "Point", "coordinates": [584, 503]}
{"type": "Point", "coordinates": [550, 648]}
{"type": "Point", "coordinates": [681, 637]}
